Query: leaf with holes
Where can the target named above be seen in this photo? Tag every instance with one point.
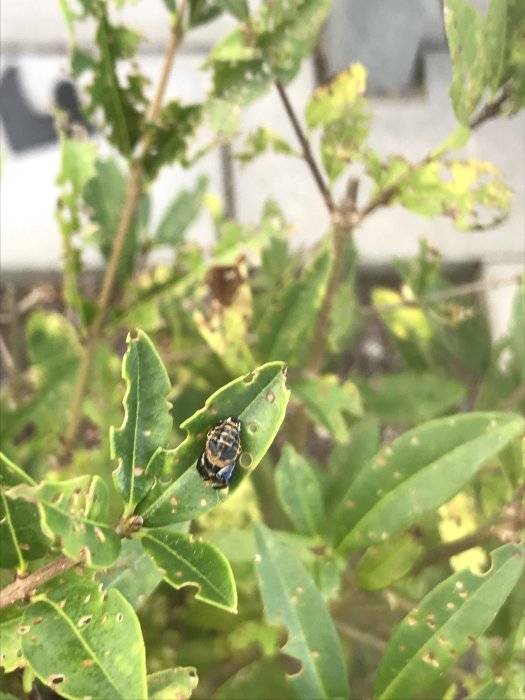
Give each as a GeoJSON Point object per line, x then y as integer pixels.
{"type": "Point", "coordinates": [445, 624]}
{"type": "Point", "coordinates": [147, 421]}
{"type": "Point", "coordinates": [299, 492]}
{"type": "Point", "coordinates": [340, 110]}
{"type": "Point", "coordinates": [75, 511]}
{"type": "Point", "coordinates": [259, 401]}
{"type": "Point", "coordinates": [261, 141]}
{"type": "Point", "coordinates": [291, 599]}
{"type": "Point", "coordinates": [11, 655]}
{"type": "Point", "coordinates": [84, 643]}
{"type": "Point", "coordinates": [465, 32]}
{"type": "Point", "coordinates": [417, 473]}
{"type": "Point", "coordinates": [20, 533]}
{"type": "Point", "coordinates": [172, 683]}
{"type": "Point", "coordinates": [133, 574]}
{"type": "Point", "coordinates": [282, 34]}
{"type": "Point", "coordinates": [327, 400]}
{"type": "Point", "coordinates": [185, 561]}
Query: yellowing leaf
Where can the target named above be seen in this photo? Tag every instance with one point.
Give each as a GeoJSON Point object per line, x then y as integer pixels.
{"type": "Point", "coordinates": [333, 101]}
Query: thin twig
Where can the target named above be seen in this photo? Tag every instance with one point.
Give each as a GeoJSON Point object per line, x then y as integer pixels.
{"type": "Point", "coordinates": [22, 588]}
{"type": "Point", "coordinates": [133, 193]}
{"type": "Point", "coordinates": [306, 148]}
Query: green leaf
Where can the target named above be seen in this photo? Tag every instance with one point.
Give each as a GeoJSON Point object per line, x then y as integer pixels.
{"type": "Point", "coordinates": [237, 8]}
{"type": "Point", "coordinates": [411, 397]}
{"type": "Point", "coordinates": [76, 511]}
{"type": "Point", "coordinates": [81, 642]}
{"type": "Point", "coordinates": [147, 420]}
{"type": "Point", "coordinates": [172, 683]}
{"type": "Point", "coordinates": [170, 136]}
{"type": "Point", "coordinates": [104, 195]}
{"type": "Point", "coordinates": [291, 599]}
{"type": "Point", "coordinates": [11, 655]}
{"type": "Point", "coordinates": [283, 33]}
{"type": "Point", "coordinates": [446, 622]}
{"type": "Point", "coordinates": [133, 574]}
{"type": "Point", "coordinates": [299, 492]}
{"type": "Point", "coordinates": [180, 214]}
{"type": "Point", "coordinates": [20, 532]}
{"type": "Point", "coordinates": [327, 400]}
{"type": "Point", "coordinates": [495, 42]}
{"type": "Point", "coordinates": [259, 401]}
{"type": "Point", "coordinates": [465, 32]}
{"type": "Point", "coordinates": [418, 472]}
{"type": "Point", "coordinates": [385, 563]}
{"type": "Point", "coordinates": [339, 109]}
{"type": "Point", "coordinates": [119, 95]}
{"type": "Point", "coordinates": [261, 141]}
{"type": "Point", "coordinates": [347, 459]}
{"type": "Point", "coordinates": [493, 690]}
{"type": "Point", "coordinates": [286, 328]}
{"type": "Point", "coordinates": [247, 683]}
{"type": "Point", "coordinates": [185, 561]}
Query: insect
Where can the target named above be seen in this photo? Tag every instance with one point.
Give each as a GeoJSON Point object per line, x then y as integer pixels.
{"type": "Point", "coordinates": [223, 446]}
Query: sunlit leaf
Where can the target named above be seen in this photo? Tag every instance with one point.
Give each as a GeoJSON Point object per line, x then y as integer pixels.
{"type": "Point", "coordinates": [84, 643]}
{"type": "Point", "coordinates": [291, 599]}
{"type": "Point", "coordinates": [259, 401]}
{"type": "Point", "coordinates": [186, 561]}
{"type": "Point", "coordinates": [417, 473]}
{"type": "Point", "coordinates": [465, 33]}
{"type": "Point", "coordinates": [446, 622]}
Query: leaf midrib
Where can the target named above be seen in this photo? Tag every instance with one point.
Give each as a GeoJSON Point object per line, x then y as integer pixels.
{"type": "Point", "coordinates": [393, 493]}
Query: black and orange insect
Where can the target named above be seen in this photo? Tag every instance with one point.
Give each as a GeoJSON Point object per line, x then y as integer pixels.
{"type": "Point", "coordinates": [223, 446]}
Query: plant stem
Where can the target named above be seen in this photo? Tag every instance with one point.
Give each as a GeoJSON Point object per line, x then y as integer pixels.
{"type": "Point", "coordinates": [133, 193]}
{"type": "Point", "coordinates": [23, 587]}
{"type": "Point", "coordinates": [306, 148]}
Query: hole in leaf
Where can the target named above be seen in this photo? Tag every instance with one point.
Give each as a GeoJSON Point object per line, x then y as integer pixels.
{"type": "Point", "coordinates": [248, 378]}
{"type": "Point", "coordinates": [56, 679]}
{"type": "Point", "coordinates": [120, 617]}
{"type": "Point", "coordinates": [292, 666]}
{"type": "Point", "coordinates": [85, 620]}
{"type": "Point", "coordinates": [23, 629]}
{"type": "Point", "coordinates": [270, 397]}
{"type": "Point", "coordinates": [246, 460]}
